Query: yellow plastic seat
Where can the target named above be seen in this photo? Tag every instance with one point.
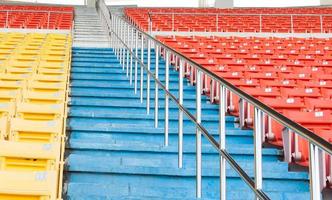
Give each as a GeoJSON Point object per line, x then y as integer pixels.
{"type": "Point", "coordinates": [24, 156]}
{"type": "Point", "coordinates": [13, 77]}
{"type": "Point", "coordinates": [21, 71]}
{"type": "Point", "coordinates": [27, 58]}
{"type": "Point", "coordinates": [28, 185]}
{"type": "Point", "coordinates": [51, 58]}
{"type": "Point", "coordinates": [10, 95]}
{"type": "Point", "coordinates": [31, 111]}
{"type": "Point", "coordinates": [46, 86]}
{"type": "Point", "coordinates": [47, 71]}
{"type": "Point", "coordinates": [44, 97]}
{"type": "Point", "coordinates": [12, 85]}
{"type": "Point", "coordinates": [6, 52]}
{"type": "Point", "coordinates": [56, 52]}
{"type": "Point", "coordinates": [7, 47]}
{"type": "Point", "coordinates": [53, 65]}
{"type": "Point", "coordinates": [28, 52]}
{"type": "Point", "coordinates": [50, 78]}
{"type": "Point", "coordinates": [35, 131]}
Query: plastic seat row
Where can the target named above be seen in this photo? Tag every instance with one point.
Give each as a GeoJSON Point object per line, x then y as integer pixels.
{"type": "Point", "coordinates": [300, 90]}
{"type": "Point", "coordinates": [233, 20]}
{"type": "Point", "coordinates": [34, 74]}
{"type": "Point", "coordinates": [36, 17]}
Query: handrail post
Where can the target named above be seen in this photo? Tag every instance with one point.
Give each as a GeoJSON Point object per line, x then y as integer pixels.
{"type": "Point", "coordinates": [173, 23]}
{"type": "Point", "coordinates": [123, 33]}
{"type": "Point", "coordinates": [156, 98]}
{"type": "Point", "coordinates": [260, 23]}
{"type": "Point", "coordinates": [180, 159]}
{"type": "Point", "coordinates": [292, 24]}
{"type": "Point", "coordinates": [198, 136]}
{"type": "Point", "coordinates": [321, 23]}
{"type": "Point", "coordinates": [127, 43]}
{"type": "Point", "coordinates": [48, 19]}
{"type": "Point", "coordinates": [166, 96]}
{"type": "Point", "coordinates": [314, 172]}
{"type": "Point", "coordinates": [7, 19]}
{"type": "Point", "coordinates": [136, 62]}
{"type": "Point", "coordinates": [142, 71]}
{"type": "Point", "coordinates": [258, 150]}
{"type": "Point", "coordinates": [149, 23]}
{"type": "Point", "coordinates": [217, 23]}
{"type": "Point", "coordinates": [131, 57]}
{"type": "Point", "coordinates": [222, 140]}
{"type": "Point", "coordinates": [148, 78]}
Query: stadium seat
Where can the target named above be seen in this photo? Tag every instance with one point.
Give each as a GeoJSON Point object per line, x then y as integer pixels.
{"type": "Point", "coordinates": [31, 111]}
{"type": "Point", "coordinates": [21, 156]}
{"type": "Point", "coordinates": [22, 185]}
{"type": "Point", "coordinates": [35, 131]}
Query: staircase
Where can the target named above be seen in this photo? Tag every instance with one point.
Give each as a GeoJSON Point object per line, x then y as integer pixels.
{"type": "Point", "coordinates": [88, 30]}
{"type": "Point", "coordinates": [114, 151]}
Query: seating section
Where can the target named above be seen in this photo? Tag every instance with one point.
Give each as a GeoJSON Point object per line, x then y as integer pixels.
{"type": "Point", "coordinates": [305, 20]}
{"type": "Point", "coordinates": [291, 75]}
{"type": "Point", "coordinates": [36, 17]}
{"type": "Point", "coordinates": [34, 71]}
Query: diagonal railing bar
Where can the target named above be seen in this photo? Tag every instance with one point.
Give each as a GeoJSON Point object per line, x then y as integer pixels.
{"type": "Point", "coordinates": [124, 50]}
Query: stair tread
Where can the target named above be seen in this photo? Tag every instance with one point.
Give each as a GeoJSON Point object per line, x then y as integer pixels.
{"type": "Point", "coordinates": [116, 153]}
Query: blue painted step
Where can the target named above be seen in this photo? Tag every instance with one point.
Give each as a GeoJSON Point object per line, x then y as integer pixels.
{"type": "Point", "coordinates": [114, 151]}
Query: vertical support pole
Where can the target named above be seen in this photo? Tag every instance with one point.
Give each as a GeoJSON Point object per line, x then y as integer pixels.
{"type": "Point", "coordinates": [131, 56]}
{"type": "Point", "coordinates": [48, 19]}
{"type": "Point", "coordinates": [127, 43]}
{"type": "Point", "coordinates": [7, 19]}
{"type": "Point", "coordinates": [222, 140]}
{"type": "Point", "coordinates": [173, 28]}
{"type": "Point", "coordinates": [112, 34]}
{"type": "Point", "coordinates": [314, 172]}
{"type": "Point", "coordinates": [321, 23]}
{"type": "Point", "coordinates": [292, 24]}
{"type": "Point", "coordinates": [123, 49]}
{"type": "Point", "coordinates": [148, 78]}
{"type": "Point", "coordinates": [166, 96]}
{"type": "Point", "coordinates": [198, 136]}
{"type": "Point", "coordinates": [136, 62]}
{"type": "Point", "coordinates": [116, 27]}
{"type": "Point", "coordinates": [156, 98]}
{"type": "Point", "coordinates": [260, 23]}
{"type": "Point", "coordinates": [150, 24]}
{"type": "Point", "coordinates": [258, 150]}
{"type": "Point", "coordinates": [180, 159]}
{"type": "Point", "coordinates": [142, 71]}
{"type": "Point", "coordinates": [217, 23]}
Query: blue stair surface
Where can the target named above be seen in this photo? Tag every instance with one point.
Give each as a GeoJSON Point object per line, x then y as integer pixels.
{"type": "Point", "coordinates": [114, 151]}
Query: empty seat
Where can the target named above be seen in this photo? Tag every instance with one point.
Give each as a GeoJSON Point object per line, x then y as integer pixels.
{"type": "Point", "coordinates": [21, 185]}
{"type": "Point", "coordinates": [35, 131]}
{"type": "Point", "coordinates": [32, 111]}
{"type": "Point", "coordinates": [21, 156]}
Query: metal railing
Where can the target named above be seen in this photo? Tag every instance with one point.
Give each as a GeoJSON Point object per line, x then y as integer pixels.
{"type": "Point", "coordinates": [218, 17]}
{"type": "Point", "coordinates": [48, 14]}
{"type": "Point", "coordinates": [127, 41]}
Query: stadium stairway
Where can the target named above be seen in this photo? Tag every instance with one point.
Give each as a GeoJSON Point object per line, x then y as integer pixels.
{"type": "Point", "coordinates": [88, 30]}
{"type": "Point", "coordinates": [114, 151]}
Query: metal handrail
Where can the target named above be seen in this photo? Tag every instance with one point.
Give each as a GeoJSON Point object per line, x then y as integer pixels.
{"type": "Point", "coordinates": [236, 14]}
{"type": "Point", "coordinates": [304, 132]}
{"type": "Point", "coordinates": [217, 15]}
{"type": "Point", "coordinates": [126, 52]}
{"type": "Point", "coordinates": [210, 138]}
